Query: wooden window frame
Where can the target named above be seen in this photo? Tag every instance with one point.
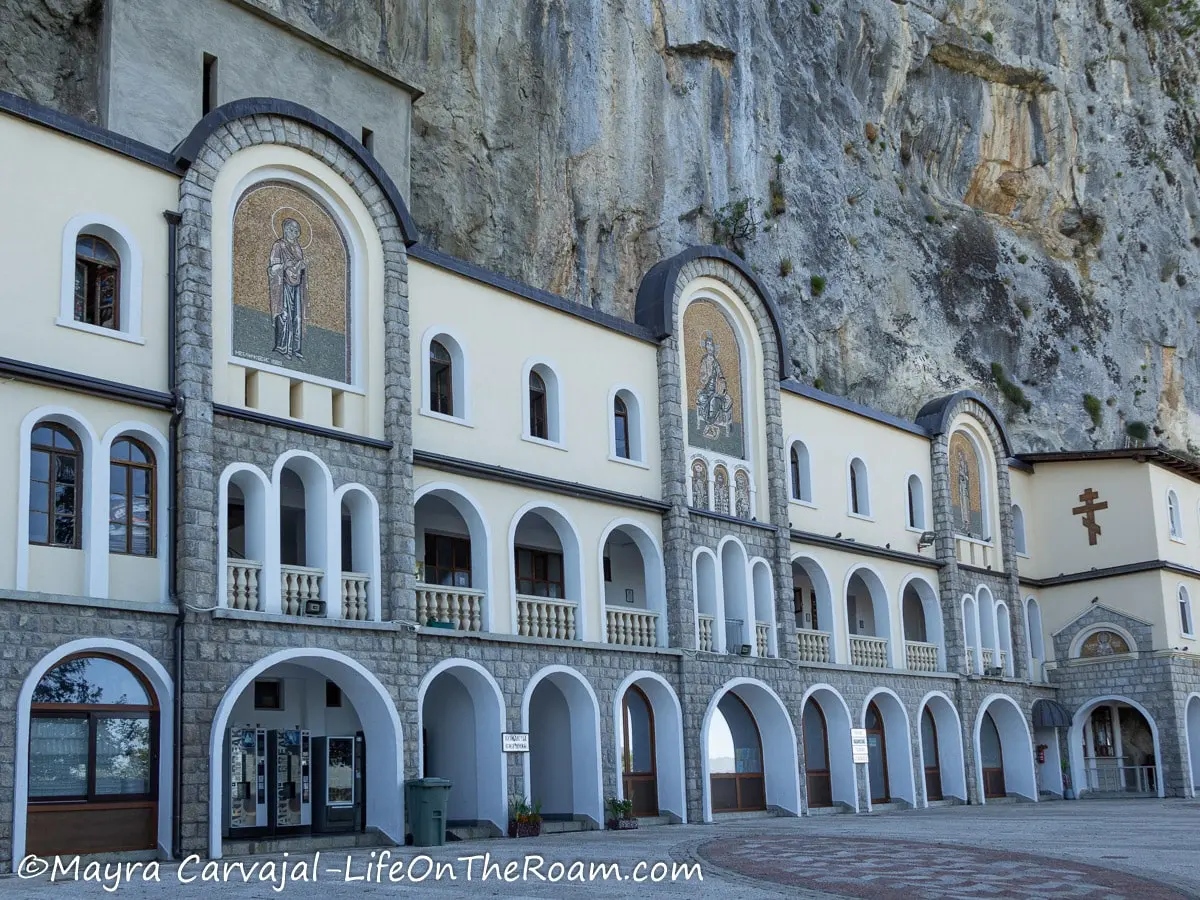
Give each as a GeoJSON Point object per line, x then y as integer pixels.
{"type": "Point", "coordinates": [739, 777]}
{"type": "Point", "coordinates": [936, 769]}
{"type": "Point", "coordinates": [539, 418]}
{"type": "Point", "coordinates": [628, 776]}
{"type": "Point", "coordinates": [92, 273]}
{"type": "Point", "coordinates": [621, 436]}
{"type": "Point", "coordinates": [428, 571]}
{"type": "Point", "coordinates": [52, 453]}
{"type": "Point", "coordinates": [441, 379]}
{"type": "Point", "coordinates": [825, 774]}
{"type": "Point", "coordinates": [886, 796]}
{"type": "Point", "coordinates": [535, 553]}
{"type": "Point", "coordinates": [794, 466]}
{"type": "Point", "coordinates": [152, 499]}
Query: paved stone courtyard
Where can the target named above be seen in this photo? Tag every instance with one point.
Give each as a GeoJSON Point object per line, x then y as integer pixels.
{"type": "Point", "coordinates": [1113, 850]}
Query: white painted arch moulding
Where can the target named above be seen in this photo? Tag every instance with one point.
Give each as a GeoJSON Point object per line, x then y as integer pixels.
{"type": "Point", "coordinates": [164, 690]}
{"type": "Point", "coordinates": [668, 740]}
{"type": "Point", "coordinates": [1075, 738]}
{"type": "Point", "coordinates": [1016, 747]}
{"type": "Point", "coordinates": [951, 761]}
{"type": "Point", "coordinates": [897, 734]}
{"type": "Point", "coordinates": [838, 722]}
{"type": "Point", "coordinates": [380, 724]}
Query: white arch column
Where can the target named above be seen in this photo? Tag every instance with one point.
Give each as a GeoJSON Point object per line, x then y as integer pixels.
{"type": "Point", "coordinates": [564, 733]}
{"type": "Point", "coordinates": [897, 736]}
{"type": "Point", "coordinates": [668, 740]}
{"type": "Point", "coordinates": [951, 761]}
{"type": "Point", "coordinates": [1016, 747]}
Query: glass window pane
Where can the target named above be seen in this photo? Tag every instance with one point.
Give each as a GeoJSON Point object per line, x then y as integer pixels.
{"type": "Point", "coordinates": [58, 757]}
{"type": "Point", "coordinates": [120, 450]}
{"type": "Point", "coordinates": [928, 740]}
{"type": "Point", "coordinates": [814, 738]}
{"type": "Point", "coordinates": [63, 440]}
{"type": "Point", "coordinates": [39, 496]}
{"type": "Point", "coordinates": [123, 756]}
{"type": "Point", "coordinates": [989, 743]}
{"type": "Point", "coordinates": [93, 680]}
{"type": "Point", "coordinates": [141, 482]}
{"type": "Point", "coordinates": [116, 538]}
{"type": "Point", "coordinates": [64, 468]}
{"type": "Point", "coordinates": [116, 478]}
{"type": "Point", "coordinates": [39, 465]}
{"type": "Point", "coordinates": [64, 531]}
{"type": "Point", "coordinates": [39, 527]}
{"type": "Point", "coordinates": [64, 499]}
{"type": "Point", "coordinates": [138, 454]}
{"type": "Point", "coordinates": [141, 540]}
{"type": "Point", "coordinates": [639, 757]}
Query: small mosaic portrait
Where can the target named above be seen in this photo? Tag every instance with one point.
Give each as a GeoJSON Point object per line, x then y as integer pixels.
{"type": "Point", "coordinates": [699, 484]}
{"type": "Point", "coordinates": [1103, 643]}
{"type": "Point", "coordinates": [741, 494]}
{"type": "Point", "coordinates": [291, 282]}
{"type": "Point", "coordinates": [721, 490]}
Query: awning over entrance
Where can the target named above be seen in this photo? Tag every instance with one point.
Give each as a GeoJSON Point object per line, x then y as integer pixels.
{"type": "Point", "coordinates": [1050, 714]}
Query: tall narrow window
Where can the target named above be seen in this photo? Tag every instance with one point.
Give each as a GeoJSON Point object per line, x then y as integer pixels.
{"type": "Point", "coordinates": [209, 90]}
{"type": "Point", "coordinates": [368, 139]}
{"type": "Point", "coordinates": [1185, 611]}
{"type": "Point", "coordinates": [538, 422]}
{"type": "Point", "coordinates": [441, 379]}
{"type": "Point", "coordinates": [1018, 526]}
{"type": "Point", "coordinates": [55, 487]}
{"type": "Point", "coordinates": [860, 502]}
{"type": "Point", "coordinates": [620, 428]}
{"type": "Point", "coordinates": [1174, 522]}
{"type": "Point", "coordinates": [131, 498]}
{"type": "Point", "coordinates": [916, 503]}
{"type": "Point", "coordinates": [97, 282]}
{"type": "Point", "coordinates": [798, 467]}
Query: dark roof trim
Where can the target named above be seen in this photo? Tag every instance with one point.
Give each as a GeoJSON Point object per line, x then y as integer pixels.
{"type": "Point", "coordinates": [732, 520]}
{"type": "Point", "coordinates": [822, 540]}
{"type": "Point", "coordinates": [1050, 714]}
{"type": "Point", "coordinates": [189, 148]}
{"type": "Point", "coordinates": [253, 415]}
{"type": "Point", "coordinates": [1149, 565]}
{"type": "Point", "coordinates": [85, 384]}
{"type": "Point", "coordinates": [655, 307]}
{"type": "Point", "coordinates": [1181, 465]}
{"type": "Point", "coordinates": [935, 415]}
{"type": "Point", "coordinates": [545, 298]}
{"type": "Point", "coordinates": [473, 469]}
{"type": "Point", "coordinates": [999, 573]}
{"type": "Point", "coordinates": [795, 387]}
{"type": "Point", "coordinates": [1015, 462]}
{"type": "Point", "coordinates": [85, 131]}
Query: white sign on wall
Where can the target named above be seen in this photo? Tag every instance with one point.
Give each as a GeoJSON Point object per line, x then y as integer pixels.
{"type": "Point", "coordinates": [515, 741]}
{"type": "Point", "coordinates": [858, 742]}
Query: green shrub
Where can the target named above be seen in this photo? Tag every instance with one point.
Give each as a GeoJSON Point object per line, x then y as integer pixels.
{"type": "Point", "coordinates": [785, 267]}
{"type": "Point", "coordinates": [1094, 409]}
{"type": "Point", "coordinates": [817, 283]}
{"type": "Point", "coordinates": [1012, 392]}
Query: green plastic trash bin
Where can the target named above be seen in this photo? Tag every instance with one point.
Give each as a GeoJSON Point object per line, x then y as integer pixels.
{"type": "Point", "coordinates": [426, 800]}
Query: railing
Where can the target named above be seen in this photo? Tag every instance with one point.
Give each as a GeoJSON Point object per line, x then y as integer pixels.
{"type": "Point", "coordinates": [242, 587]}
{"type": "Point", "coordinates": [970, 659]}
{"type": "Point", "coordinates": [706, 632]}
{"type": "Point", "coordinates": [298, 585]}
{"type": "Point", "coordinates": [762, 638]}
{"type": "Point", "coordinates": [542, 617]}
{"type": "Point", "coordinates": [813, 645]}
{"type": "Point", "coordinates": [1004, 660]}
{"type": "Point", "coordinates": [973, 552]}
{"type": "Point", "coordinates": [733, 636]}
{"type": "Point", "coordinates": [921, 656]}
{"type": "Point", "coordinates": [355, 605]}
{"type": "Point", "coordinates": [462, 607]}
{"type": "Point", "coordinates": [1118, 779]}
{"type": "Point", "coordinates": [868, 651]}
{"type": "Point", "coordinates": [632, 627]}
{"type": "Point", "coordinates": [987, 658]}
{"type": "Point", "coordinates": [1037, 670]}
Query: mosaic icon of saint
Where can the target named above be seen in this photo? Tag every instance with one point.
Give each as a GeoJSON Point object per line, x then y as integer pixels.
{"type": "Point", "coordinates": [964, 490]}
{"type": "Point", "coordinates": [714, 406]}
{"type": "Point", "coordinates": [287, 274]}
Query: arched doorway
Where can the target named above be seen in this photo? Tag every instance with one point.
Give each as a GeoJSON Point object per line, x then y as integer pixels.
{"type": "Point", "coordinates": [1114, 750]}
{"type": "Point", "coordinates": [828, 756]}
{"type": "Point", "coordinates": [941, 749]}
{"type": "Point", "coordinates": [1193, 743]}
{"type": "Point", "coordinates": [562, 768]}
{"type": "Point", "coordinates": [931, 758]}
{"type": "Point", "coordinates": [646, 699]}
{"type": "Point", "coordinates": [289, 701]}
{"type": "Point", "coordinates": [639, 756]}
{"type": "Point", "coordinates": [1004, 750]}
{"type": "Point", "coordinates": [462, 718]}
{"type": "Point", "coordinates": [747, 740]}
{"type": "Point", "coordinates": [93, 783]}
{"type": "Point", "coordinates": [735, 758]}
{"type": "Point", "coordinates": [877, 768]}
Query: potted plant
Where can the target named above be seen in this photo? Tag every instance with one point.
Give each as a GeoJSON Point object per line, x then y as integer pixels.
{"type": "Point", "coordinates": [524, 818]}
{"type": "Point", "coordinates": [620, 815]}
{"type": "Point", "coordinates": [1068, 792]}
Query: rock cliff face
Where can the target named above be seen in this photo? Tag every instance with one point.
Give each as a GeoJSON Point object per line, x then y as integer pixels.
{"type": "Point", "coordinates": [1001, 194]}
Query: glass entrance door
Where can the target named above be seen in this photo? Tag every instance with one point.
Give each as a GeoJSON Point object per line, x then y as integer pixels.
{"type": "Point", "coordinates": [929, 753]}
{"type": "Point", "coordinates": [877, 756]}
{"type": "Point", "coordinates": [639, 766]}
{"type": "Point", "coordinates": [991, 756]}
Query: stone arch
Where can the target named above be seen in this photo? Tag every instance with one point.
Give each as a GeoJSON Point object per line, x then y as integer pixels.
{"type": "Point", "coordinates": [155, 673]}
{"type": "Point", "coordinates": [569, 770]}
{"type": "Point", "coordinates": [781, 770]}
{"type": "Point", "coordinates": [322, 531]}
{"type": "Point", "coordinates": [1016, 747]}
{"type": "Point", "coordinates": [381, 730]}
{"type": "Point", "coordinates": [467, 731]}
{"type": "Point", "coordinates": [838, 722]}
{"type": "Point", "coordinates": [460, 372]}
{"type": "Point", "coordinates": [951, 760]}
{"type": "Point", "coordinates": [1075, 742]}
{"type": "Point", "coordinates": [735, 591]}
{"type": "Point", "coordinates": [358, 500]}
{"type": "Point", "coordinates": [668, 739]}
{"type": "Point", "coordinates": [1076, 647]}
{"type": "Point", "coordinates": [897, 735]}
{"type": "Point", "coordinates": [763, 581]}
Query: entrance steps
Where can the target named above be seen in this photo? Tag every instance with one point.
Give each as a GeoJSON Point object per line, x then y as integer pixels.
{"type": "Point", "coordinates": [565, 827]}
{"type": "Point", "coordinates": [653, 821]}
{"type": "Point", "coordinates": [305, 843]}
{"type": "Point", "coordinates": [472, 831]}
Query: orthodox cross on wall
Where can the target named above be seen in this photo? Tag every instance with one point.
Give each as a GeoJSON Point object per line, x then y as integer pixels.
{"type": "Point", "coordinates": [1088, 510]}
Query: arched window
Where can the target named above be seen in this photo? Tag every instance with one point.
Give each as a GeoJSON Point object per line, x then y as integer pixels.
{"type": "Point", "coordinates": [93, 743]}
{"type": "Point", "coordinates": [639, 770]}
{"type": "Point", "coordinates": [539, 425]}
{"type": "Point", "coordinates": [801, 472]}
{"type": "Point", "coordinates": [131, 501]}
{"type": "Point", "coordinates": [877, 767]}
{"type": "Point", "coordinates": [930, 757]}
{"type": "Point", "coordinates": [620, 428]}
{"type": "Point", "coordinates": [1185, 611]}
{"type": "Point", "coordinates": [916, 503]}
{"type": "Point", "coordinates": [816, 756]}
{"type": "Point", "coordinates": [860, 493]}
{"type": "Point", "coordinates": [97, 282]}
{"type": "Point", "coordinates": [55, 487]}
{"type": "Point", "coordinates": [441, 379]}
{"type": "Point", "coordinates": [1174, 522]}
{"type": "Point", "coordinates": [1018, 526]}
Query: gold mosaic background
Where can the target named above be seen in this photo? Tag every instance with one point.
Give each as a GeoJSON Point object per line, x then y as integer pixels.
{"type": "Point", "coordinates": [258, 223]}
{"type": "Point", "coordinates": [699, 317]}
{"type": "Point", "coordinates": [960, 442]}
{"type": "Point", "coordinates": [1104, 643]}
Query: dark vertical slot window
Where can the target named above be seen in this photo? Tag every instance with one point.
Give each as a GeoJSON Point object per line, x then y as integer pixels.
{"type": "Point", "coordinates": [209, 99]}
{"type": "Point", "coordinates": [441, 379]}
{"type": "Point", "coordinates": [621, 427]}
{"type": "Point", "coordinates": [538, 424]}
